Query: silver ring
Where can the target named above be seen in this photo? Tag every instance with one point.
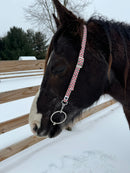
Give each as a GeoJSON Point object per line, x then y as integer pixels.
{"type": "Point", "coordinates": [65, 117]}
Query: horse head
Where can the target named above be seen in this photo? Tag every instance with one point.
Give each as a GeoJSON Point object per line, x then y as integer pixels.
{"type": "Point", "coordinates": [49, 114]}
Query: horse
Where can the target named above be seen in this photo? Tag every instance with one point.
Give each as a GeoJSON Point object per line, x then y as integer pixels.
{"type": "Point", "coordinates": [85, 60]}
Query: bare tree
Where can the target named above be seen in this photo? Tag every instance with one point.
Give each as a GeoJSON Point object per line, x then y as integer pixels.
{"type": "Point", "coordinates": [40, 13]}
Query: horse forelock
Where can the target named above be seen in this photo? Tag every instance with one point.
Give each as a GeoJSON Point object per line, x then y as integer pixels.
{"type": "Point", "coordinates": [75, 28]}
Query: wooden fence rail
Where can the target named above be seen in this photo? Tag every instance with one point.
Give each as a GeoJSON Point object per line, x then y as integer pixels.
{"type": "Point", "coordinates": [13, 123]}
{"type": "Point", "coordinates": [15, 148]}
{"type": "Point", "coordinates": [18, 94]}
{"type": "Point", "coordinates": [12, 69]}
{"type": "Point", "coordinates": [21, 72]}
{"type": "Point", "coordinates": [11, 66]}
{"type": "Point", "coordinates": [11, 77]}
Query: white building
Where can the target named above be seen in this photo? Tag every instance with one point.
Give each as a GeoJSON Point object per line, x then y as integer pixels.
{"type": "Point", "coordinates": [27, 58]}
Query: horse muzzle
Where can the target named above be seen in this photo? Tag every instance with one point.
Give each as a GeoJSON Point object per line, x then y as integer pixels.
{"type": "Point", "coordinates": [50, 132]}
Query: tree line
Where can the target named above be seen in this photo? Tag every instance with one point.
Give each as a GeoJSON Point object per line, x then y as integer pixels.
{"type": "Point", "coordinates": [17, 43]}
{"type": "Point", "coordinates": [20, 43]}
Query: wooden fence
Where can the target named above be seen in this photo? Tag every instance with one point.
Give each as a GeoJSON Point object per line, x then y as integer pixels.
{"type": "Point", "coordinates": [23, 120]}
{"type": "Point", "coordinates": [14, 69]}
{"type": "Point", "coordinates": [13, 66]}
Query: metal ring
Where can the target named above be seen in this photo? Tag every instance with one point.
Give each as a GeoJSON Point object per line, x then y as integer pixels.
{"type": "Point", "coordinates": [65, 117]}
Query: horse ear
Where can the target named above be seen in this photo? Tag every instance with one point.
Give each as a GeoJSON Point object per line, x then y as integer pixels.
{"type": "Point", "coordinates": [56, 20]}
{"type": "Point", "coordinates": [65, 15]}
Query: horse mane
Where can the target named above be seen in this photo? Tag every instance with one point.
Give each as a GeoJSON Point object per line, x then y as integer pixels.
{"type": "Point", "coordinates": [123, 31]}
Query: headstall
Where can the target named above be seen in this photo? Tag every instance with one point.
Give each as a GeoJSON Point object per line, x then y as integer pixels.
{"type": "Point", "coordinates": [79, 65]}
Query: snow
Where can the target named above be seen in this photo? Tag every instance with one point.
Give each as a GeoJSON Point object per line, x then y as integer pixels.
{"type": "Point", "coordinates": [97, 144]}
{"type": "Point", "coordinates": [17, 74]}
{"type": "Point", "coordinates": [15, 109]}
{"type": "Point", "coordinates": [18, 83]}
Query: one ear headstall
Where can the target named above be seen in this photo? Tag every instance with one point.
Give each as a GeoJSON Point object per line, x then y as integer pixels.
{"type": "Point", "coordinates": [79, 65]}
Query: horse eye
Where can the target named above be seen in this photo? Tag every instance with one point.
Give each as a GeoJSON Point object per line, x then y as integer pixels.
{"type": "Point", "coordinates": [58, 70]}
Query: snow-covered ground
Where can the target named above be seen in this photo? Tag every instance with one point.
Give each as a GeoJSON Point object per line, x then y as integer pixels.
{"type": "Point", "coordinates": [98, 144]}
{"type": "Point", "coordinates": [18, 83]}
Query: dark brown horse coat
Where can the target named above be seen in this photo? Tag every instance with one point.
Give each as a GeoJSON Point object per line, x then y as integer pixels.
{"type": "Point", "coordinates": [118, 40]}
{"type": "Point", "coordinates": [105, 71]}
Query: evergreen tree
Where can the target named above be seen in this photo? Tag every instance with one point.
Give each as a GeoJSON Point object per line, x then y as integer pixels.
{"type": "Point", "coordinates": [19, 43]}
{"type": "Point", "coordinates": [39, 45]}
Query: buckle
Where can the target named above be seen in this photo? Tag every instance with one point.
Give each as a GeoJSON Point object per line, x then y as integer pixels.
{"type": "Point", "coordinates": [80, 62]}
{"type": "Point", "coordinates": [79, 66]}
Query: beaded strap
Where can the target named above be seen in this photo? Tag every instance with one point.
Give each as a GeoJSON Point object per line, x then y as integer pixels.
{"type": "Point", "coordinates": [78, 67]}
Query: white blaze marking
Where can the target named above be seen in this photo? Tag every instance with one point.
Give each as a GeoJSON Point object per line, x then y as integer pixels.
{"type": "Point", "coordinates": [34, 117]}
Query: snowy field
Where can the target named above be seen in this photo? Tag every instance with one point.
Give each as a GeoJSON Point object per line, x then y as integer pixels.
{"type": "Point", "coordinates": [98, 144]}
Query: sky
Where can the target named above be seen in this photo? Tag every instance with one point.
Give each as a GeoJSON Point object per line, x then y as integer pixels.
{"type": "Point", "coordinates": [12, 12]}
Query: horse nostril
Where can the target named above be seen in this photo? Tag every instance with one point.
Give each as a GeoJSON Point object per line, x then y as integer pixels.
{"type": "Point", "coordinates": [35, 128]}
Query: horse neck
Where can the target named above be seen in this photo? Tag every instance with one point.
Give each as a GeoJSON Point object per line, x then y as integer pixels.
{"type": "Point", "coordinates": [111, 40]}
{"type": "Point", "coordinates": [119, 53]}
{"type": "Point", "coordinates": [119, 39]}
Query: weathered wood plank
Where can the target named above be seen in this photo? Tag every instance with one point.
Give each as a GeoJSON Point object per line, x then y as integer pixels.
{"type": "Point", "coordinates": [13, 124]}
{"type": "Point", "coordinates": [15, 148]}
{"type": "Point", "coordinates": [97, 108]}
{"type": "Point", "coordinates": [21, 72]}
{"type": "Point", "coordinates": [10, 66]}
{"type": "Point", "coordinates": [18, 94]}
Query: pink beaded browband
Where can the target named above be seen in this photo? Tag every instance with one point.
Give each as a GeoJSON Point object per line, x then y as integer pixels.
{"type": "Point", "coordinates": [79, 65]}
